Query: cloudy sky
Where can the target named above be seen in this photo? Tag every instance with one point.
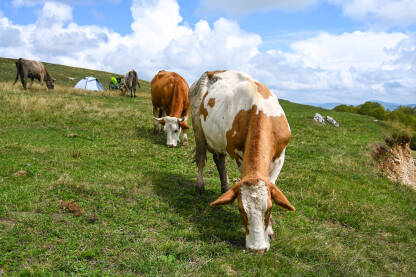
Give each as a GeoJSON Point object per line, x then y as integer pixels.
{"type": "Point", "coordinates": [306, 51]}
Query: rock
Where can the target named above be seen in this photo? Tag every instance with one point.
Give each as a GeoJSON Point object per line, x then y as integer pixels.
{"type": "Point", "coordinates": [332, 121]}
{"type": "Point", "coordinates": [319, 118]}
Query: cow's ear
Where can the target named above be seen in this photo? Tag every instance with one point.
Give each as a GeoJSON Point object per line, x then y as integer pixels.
{"type": "Point", "coordinates": [280, 199]}
{"type": "Point", "coordinates": [227, 197]}
{"type": "Point", "coordinates": [184, 125]}
{"type": "Point", "coordinates": [160, 120]}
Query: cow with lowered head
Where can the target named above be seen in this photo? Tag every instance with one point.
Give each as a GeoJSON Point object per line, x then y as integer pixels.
{"type": "Point", "coordinates": [33, 70]}
{"type": "Point", "coordinates": [131, 80]}
{"type": "Point", "coordinates": [170, 98]}
{"type": "Point", "coordinates": [234, 114]}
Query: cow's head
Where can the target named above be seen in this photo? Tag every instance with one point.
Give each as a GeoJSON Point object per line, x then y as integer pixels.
{"type": "Point", "coordinates": [50, 83]}
{"type": "Point", "coordinates": [172, 127]}
{"type": "Point", "coordinates": [255, 205]}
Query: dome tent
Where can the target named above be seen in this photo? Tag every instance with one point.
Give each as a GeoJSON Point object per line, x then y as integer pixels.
{"type": "Point", "coordinates": [90, 83]}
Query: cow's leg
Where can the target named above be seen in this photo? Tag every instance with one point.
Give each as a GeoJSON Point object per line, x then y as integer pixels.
{"type": "Point", "coordinates": [185, 138]}
{"type": "Point", "coordinates": [134, 92]}
{"type": "Point", "coordinates": [200, 158]}
{"type": "Point", "coordinates": [161, 114]}
{"type": "Point", "coordinates": [155, 122]}
{"type": "Point", "coordinates": [221, 163]}
{"type": "Point", "coordinates": [40, 80]}
{"type": "Point", "coordinates": [200, 152]}
{"type": "Point", "coordinates": [275, 168]}
{"type": "Point", "coordinates": [23, 79]}
{"type": "Point", "coordinates": [17, 77]}
{"type": "Point", "coordinates": [31, 82]}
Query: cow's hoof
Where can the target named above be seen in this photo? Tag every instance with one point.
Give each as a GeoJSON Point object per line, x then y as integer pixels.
{"type": "Point", "coordinates": [185, 143]}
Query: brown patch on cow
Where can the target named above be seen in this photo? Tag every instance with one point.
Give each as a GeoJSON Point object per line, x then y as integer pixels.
{"type": "Point", "coordinates": [211, 102]}
{"type": "Point", "coordinates": [71, 206]}
{"type": "Point", "coordinates": [281, 134]}
{"type": "Point", "coordinates": [202, 109]}
{"type": "Point", "coordinates": [236, 136]}
{"type": "Point", "coordinates": [211, 74]}
{"type": "Point", "coordinates": [263, 90]}
{"type": "Point", "coordinates": [260, 137]}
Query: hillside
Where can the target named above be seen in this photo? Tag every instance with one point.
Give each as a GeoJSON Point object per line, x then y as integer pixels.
{"type": "Point", "coordinates": [142, 215]}
{"type": "Point", "coordinates": [61, 73]}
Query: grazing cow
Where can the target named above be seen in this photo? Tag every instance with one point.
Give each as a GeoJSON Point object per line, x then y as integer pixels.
{"type": "Point", "coordinates": [170, 97]}
{"type": "Point", "coordinates": [131, 80]}
{"type": "Point", "coordinates": [33, 69]}
{"type": "Point", "coordinates": [234, 114]}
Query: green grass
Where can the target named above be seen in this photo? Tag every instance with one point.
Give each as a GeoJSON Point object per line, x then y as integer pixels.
{"type": "Point", "coordinates": [143, 217]}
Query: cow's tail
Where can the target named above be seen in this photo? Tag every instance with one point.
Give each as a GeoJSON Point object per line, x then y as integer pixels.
{"type": "Point", "coordinates": [18, 69]}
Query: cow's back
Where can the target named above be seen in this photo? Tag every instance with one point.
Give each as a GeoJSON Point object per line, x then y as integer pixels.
{"type": "Point", "coordinates": [224, 102]}
{"type": "Point", "coordinates": [33, 68]}
{"type": "Point", "coordinates": [164, 85]}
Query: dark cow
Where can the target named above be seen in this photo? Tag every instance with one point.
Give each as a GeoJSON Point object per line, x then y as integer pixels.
{"type": "Point", "coordinates": [170, 96]}
{"type": "Point", "coordinates": [33, 70]}
{"type": "Point", "coordinates": [131, 80]}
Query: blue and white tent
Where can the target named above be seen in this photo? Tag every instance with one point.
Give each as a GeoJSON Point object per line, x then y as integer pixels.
{"type": "Point", "coordinates": [90, 83]}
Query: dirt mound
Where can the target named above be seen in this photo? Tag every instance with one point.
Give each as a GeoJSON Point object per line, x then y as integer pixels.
{"type": "Point", "coordinates": [395, 159]}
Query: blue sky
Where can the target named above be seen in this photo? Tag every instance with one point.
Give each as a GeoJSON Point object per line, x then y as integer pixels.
{"type": "Point", "coordinates": [308, 51]}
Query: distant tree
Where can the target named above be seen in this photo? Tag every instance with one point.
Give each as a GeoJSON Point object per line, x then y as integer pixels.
{"type": "Point", "coordinates": [345, 108]}
{"type": "Point", "coordinates": [373, 109]}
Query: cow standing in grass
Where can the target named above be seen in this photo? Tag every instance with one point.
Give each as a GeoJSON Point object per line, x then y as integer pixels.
{"type": "Point", "coordinates": [33, 70]}
{"type": "Point", "coordinates": [234, 114]}
{"type": "Point", "coordinates": [170, 97]}
{"type": "Point", "coordinates": [131, 80]}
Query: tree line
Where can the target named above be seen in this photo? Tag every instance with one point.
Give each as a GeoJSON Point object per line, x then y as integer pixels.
{"type": "Point", "coordinates": [404, 116]}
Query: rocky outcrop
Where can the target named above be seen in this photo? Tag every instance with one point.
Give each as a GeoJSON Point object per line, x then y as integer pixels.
{"type": "Point", "coordinates": [396, 160]}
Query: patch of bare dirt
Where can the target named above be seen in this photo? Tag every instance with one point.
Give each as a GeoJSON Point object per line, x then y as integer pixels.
{"type": "Point", "coordinates": [396, 160]}
{"type": "Point", "coordinates": [71, 206]}
{"type": "Point", "coordinates": [20, 173]}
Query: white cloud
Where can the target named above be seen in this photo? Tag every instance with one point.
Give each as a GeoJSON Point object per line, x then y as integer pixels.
{"type": "Point", "coordinates": [350, 67]}
{"type": "Point", "coordinates": [388, 12]}
{"type": "Point", "coordinates": [246, 6]}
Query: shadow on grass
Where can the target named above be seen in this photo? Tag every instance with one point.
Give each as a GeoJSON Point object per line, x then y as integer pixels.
{"type": "Point", "coordinates": [213, 224]}
{"type": "Point", "coordinates": [146, 133]}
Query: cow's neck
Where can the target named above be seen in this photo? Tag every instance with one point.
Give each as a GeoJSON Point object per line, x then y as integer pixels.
{"type": "Point", "coordinates": [176, 105]}
{"type": "Point", "coordinates": [259, 147]}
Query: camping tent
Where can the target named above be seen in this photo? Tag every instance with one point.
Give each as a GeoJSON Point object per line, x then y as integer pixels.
{"type": "Point", "coordinates": [89, 83]}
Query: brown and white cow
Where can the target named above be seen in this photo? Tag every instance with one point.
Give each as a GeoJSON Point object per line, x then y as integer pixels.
{"type": "Point", "coordinates": [234, 114]}
{"type": "Point", "coordinates": [170, 97]}
{"type": "Point", "coordinates": [131, 80]}
{"type": "Point", "coordinates": [33, 69]}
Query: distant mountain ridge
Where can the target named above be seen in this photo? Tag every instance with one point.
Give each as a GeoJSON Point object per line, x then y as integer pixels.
{"type": "Point", "coordinates": [386, 105]}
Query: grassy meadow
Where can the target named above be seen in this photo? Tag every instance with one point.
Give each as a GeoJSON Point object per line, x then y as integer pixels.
{"type": "Point", "coordinates": [141, 214]}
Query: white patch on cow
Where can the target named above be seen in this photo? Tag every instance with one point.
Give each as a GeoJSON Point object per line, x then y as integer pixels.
{"type": "Point", "coordinates": [254, 200]}
{"type": "Point", "coordinates": [276, 167]}
{"type": "Point", "coordinates": [172, 129]}
{"type": "Point", "coordinates": [233, 92]}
